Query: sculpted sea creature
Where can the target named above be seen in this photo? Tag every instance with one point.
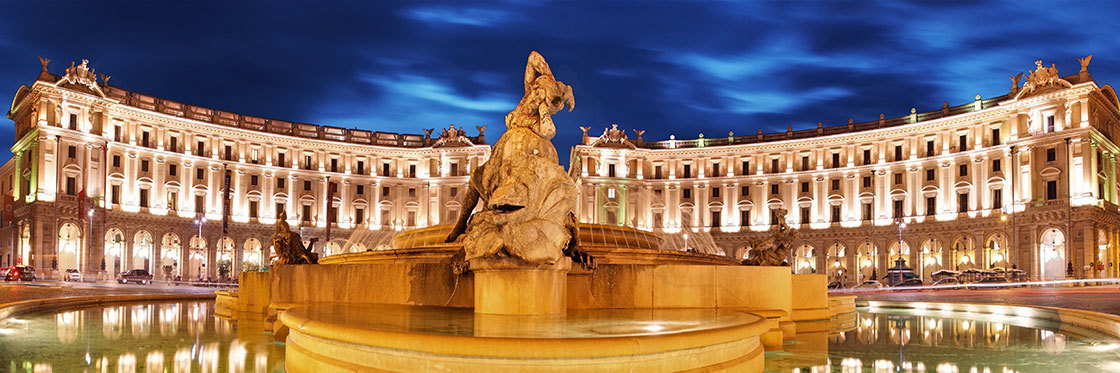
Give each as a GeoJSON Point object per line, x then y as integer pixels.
{"type": "Point", "coordinates": [773, 250]}
{"type": "Point", "coordinates": [289, 245]}
{"type": "Point", "coordinates": [527, 197]}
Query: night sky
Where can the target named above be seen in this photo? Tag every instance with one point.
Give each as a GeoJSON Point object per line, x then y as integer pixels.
{"type": "Point", "coordinates": [668, 68]}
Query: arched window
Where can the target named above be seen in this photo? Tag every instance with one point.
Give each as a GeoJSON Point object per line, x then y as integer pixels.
{"type": "Point", "coordinates": [251, 255]}
{"type": "Point", "coordinates": [142, 250]}
{"type": "Point", "coordinates": [69, 247]}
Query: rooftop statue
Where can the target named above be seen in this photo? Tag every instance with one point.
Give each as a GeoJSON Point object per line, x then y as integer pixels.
{"type": "Point", "coordinates": [528, 199]}
{"type": "Point", "coordinates": [289, 245]}
{"type": "Point", "coordinates": [773, 250]}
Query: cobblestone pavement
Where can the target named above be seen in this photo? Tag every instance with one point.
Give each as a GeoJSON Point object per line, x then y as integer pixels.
{"type": "Point", "coordinates": [20, 291]}
{"type": "Point", "coordinates": [1104, 299]}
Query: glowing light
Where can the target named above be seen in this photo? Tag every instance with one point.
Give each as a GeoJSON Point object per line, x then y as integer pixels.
{"type": "Point", "coordinates": [653, 328]}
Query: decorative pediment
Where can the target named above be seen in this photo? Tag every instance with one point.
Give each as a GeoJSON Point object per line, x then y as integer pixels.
{"type": "Point", "coordinates": [81, 76]}
{"type": "Point", "coordinates": [612, 138]}
{"type": "Point", "coordinates": [454, 137]}
{"type": "Point", "coordinates": [1042, 79]}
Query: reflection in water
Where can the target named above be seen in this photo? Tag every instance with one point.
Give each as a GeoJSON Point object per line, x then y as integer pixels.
{"type": "Point", "coordinates": [920, 341]}
{"type": "Point", "coordinates": [161, 337]}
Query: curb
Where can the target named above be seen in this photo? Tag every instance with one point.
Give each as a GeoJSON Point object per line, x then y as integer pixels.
{"type": "Point", "coordinates": [1098, 322]}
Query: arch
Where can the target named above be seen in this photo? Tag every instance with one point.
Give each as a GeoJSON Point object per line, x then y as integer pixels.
{"type": "Point", "coordinates": [114, 250]}
{"type": "Point", "coordinates": [867, 261]}
{"type": "Point", "coordinates": [835, 262]}
{"type": "Point", "coordinates": [142, 250]}
{"type": "Point", "coordinates": [196, 261]}
{"type": "Point", "coordinates": [930, 259]}
{"type": "Point", "coordinates": [169, 251]}
{"type": "Point", "coordinates": [69, 247]}
{"type": "Point", "coordinates": [332, 248]}
{"type": "Point", "coordinates": [224, 257]}
{"type": "Point", "coordinates": [1110, 95]}
{"type": "Point", "coordinates": [1051, 254]}
{"type": "Point", "coordinates": [805, 259]}
{"type": "Point", "coordinates": [996, 253]}
{"type": "Point", "coordinates": [251, 255]}
{"type": "Point", "coordinates": [894, 253]}
{"type": "Point", "coordinates": [963, 251]}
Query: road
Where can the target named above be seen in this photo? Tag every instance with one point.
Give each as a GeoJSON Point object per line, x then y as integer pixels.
{"type": "Point", "coordinates": [20, 291]}
{"type": "Point", "coordinates": [1105, 299]}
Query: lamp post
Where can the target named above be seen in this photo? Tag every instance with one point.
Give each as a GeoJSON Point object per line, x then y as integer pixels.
{"type": "Point", "coordinates": [685, 241]}
{"type": "Point", "coordinates": [89, 245]}
{"type": "Point", "coordinates": [201, 220]}
{"type": "Point", "coordinates": [901, 224]}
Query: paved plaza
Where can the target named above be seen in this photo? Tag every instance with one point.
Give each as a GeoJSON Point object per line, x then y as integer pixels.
{"type": "Point", "coordinates": [17, 291]}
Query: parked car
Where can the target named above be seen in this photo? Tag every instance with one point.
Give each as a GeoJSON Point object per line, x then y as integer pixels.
{"type": "Point", "coordinates": [870, 284]}
{"type": "Point", "coordinates": [911, 282]}
{"type": "Point", "coordinates": [72, 275]}
{"type": "Point", "coordinates": [21, 273]}
{"type": "Point", "coordinates": [947, 281]}
{"type": "Point", "coordinates": [835, 285]}
{"type": "Point", "coordinates": [990, 280]}
{"type": "Point", "coordinates": [136, 276]}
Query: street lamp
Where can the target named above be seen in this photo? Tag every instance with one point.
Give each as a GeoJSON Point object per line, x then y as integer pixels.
{"type": "Point", "coordinates": [685, 241]}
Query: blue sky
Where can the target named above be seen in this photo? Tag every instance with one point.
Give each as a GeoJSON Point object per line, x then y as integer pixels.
{"type": "Point", "coordinates": [680, 68]}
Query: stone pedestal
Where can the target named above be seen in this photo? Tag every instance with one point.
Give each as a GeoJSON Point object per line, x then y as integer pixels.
{"type": "Point", "coordinates": [507, 287]}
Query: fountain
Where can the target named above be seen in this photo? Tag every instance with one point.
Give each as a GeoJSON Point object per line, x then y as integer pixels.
{"type": "Point", "coordinates": [519, 284]}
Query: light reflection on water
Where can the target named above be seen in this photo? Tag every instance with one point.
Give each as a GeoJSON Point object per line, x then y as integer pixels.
{"type": "Point", "coordinates": [158, 337]}
{"type": "Point", "coordinates": [917, 341]}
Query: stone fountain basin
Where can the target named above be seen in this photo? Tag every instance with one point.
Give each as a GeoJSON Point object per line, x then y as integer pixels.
{"type": "Point", "coordinates": [348, 337]}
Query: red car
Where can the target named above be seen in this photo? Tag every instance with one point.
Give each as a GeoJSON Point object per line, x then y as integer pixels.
{"type": "Point", "coordinates": [21, 273]}
{"type": "Point", "coordinates": [136, 276]}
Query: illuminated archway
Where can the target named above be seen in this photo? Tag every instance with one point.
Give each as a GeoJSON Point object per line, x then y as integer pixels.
{"type": "Point", "coordinates": [894, 253]}
{"type": "Point", "coordinates": [930, 260]}
{"type": "Point", "coordinates": [805, 259]}
{"type": "Point", "coordinates": [196, 262]}
{"type": "Point", "coordinates": [331, 248]}
{"type": "Point", "coordinates": [114, 251]}
{"type": "Point", "coordinates": [964, 253]}
{"type": "Point", "coordinates": [867, 260]}
{"type": "Point", "coordinates": [69, 247]}
{"type": "Point", "coordinates": [168, 257]}
{"type": "Point", "coordinates": [996, 252]}
{"type": "Point", "coordinates": [1052, 255]}
{"type": "Point", "coordinates": [837, 265]}
{"type": "Point", "coordinates": [251, 255]}
{"type": "Point", "coordinates": [225, 256]}
{"type": "Point", "coordinates": [142, 250]}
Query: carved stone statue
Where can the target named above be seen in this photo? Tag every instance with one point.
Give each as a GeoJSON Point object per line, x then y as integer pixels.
{"type": "Point", "coordinates": [44, 62]}
{"type": "Point", "coordinates": [1085, 63]}
{"type": "Point", "coordinates": [773, 250]}
{"type": "Point", "coordinates": [289, 245]}
{"type": "Point", "coordinates": [1043, 76]}
{"type": "Point", "coordinates": [527, 197]}
{"type": "Point", "coordinates": [1015, 82]}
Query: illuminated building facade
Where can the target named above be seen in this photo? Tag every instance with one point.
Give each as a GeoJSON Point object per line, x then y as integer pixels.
{"type": "Point", "coordinates": [1026, 179]}
{"type": "Point", "coordinates": [151, 175]}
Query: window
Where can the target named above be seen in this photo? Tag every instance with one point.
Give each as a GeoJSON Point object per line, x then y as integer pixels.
{"type": "Point", "coordinates": [412, 192]}
{"type": "Point", "coordinates": [412, 218]}
{"type": "Point", "coordinates": [279, 208]}
{"type": "Point", "coordinates": [1052, 189]}
{"type": "Point", "coordinates": [385, 191]}
{"type": "Point", "coordinates": [143, 198]}
{"type": "Point", "coordinates": [867, 211]}
{"type": "Point", "coordinates": [173, 169]}
{"type": "Point", "coordinates": [72, 152]}
{"type": "Point", "coordinates": [1050, 123]}
{"type": "Point", "coordinates": [897, 208]}
{"type": "Point", "coordinates": [804, 163]}
{"type": "Point", "coordinates": [997, 198]}
{"type": "Point", "coordinates": [835, 184]}
{"type": "Point", "coordinates": [996, 140]}
{"type": "Point", "coordinates": [963, 170]}
{"type": "Point", "coordinates": [687, 171]}
{"type": "Point", "coordinates": [173, 201]}
{"type": "Point", "coordinates": [254, 207]}
{"type": "Point", "coordinates": [715, 219]}
{"type": "Point", "coordinates": [359, 216]}
{"type": "Point", "coordinates": [715, 192]}
{"type": "Point", "coordinates": [715, 169]}
{"type": "Point", "coordinates": [361, 189]}
{"type": "Point", "coordinates": [334, 164]}
{"type": "Point", "coordinates": [931, 206]}
{"type": "Point", "coordinates": [774, 189]}
{"type": "Point", "coordinates": [198, 173]}
{"type": "Point", "coordinates": [385, 169]}
{"type": "Point", "coordinates": [455, 191]}
{"type": "Point", "coordinates": [804, 215]}
{"type": "Point", "coordinates": [930, 175]}
{"type": "Point", "coordinates": [307, 185]}
{"type": "Point", "coordinates": [898, 152]}
{"type": "Point", "coordinates": [610, 193]}
{"type": "Point", "coordinates": [1051, 155]}
{"type": "Point", "coordinates": [454, 169]}
{"type": "Point", "coordinates": [306, 215]}
{"type": "Point", "coordinates": [962, 143]}
{"type": "Point", "coordinates": [334, 214]}
{"type": "Point", "coordinates": [804, 187]}
{"type": "Point", "coordinates": [74, 121]}
{"type": "Point", "coordinates": [362, 167]}
{"type": "Point", "coordinates": [835, 160]}
{"type": "Point", "coordinates": [774, 165]}
{"type": "Point", "coordinates": [254, 156]}
{"type": "Point", "coordinates": [995, 165]}
{"type": "Point", "coordinates": [929, 148]}
{"type": "Point", "coordinates": [71, 185]}
{"type": "Point", "coordinates": [117, 133]}
{"type": "Point", "coordinates": [144, 137]}
{"type": "Point", "coordinates": [229, 152]}
{"type": "Point", "coordinates": [773, 217]}
{"type": "Point", "coordinates": [866, 156]}
{"type": "Point", "coordinates": [201, 148]}
{"type": "Point", "coordinates": [744, 217]}
{"type": "Point", "coordinates": [835, 214]}
{"type": "Point", "coordinates": [746, 167]}
{"type": "Point", "coordinates": [610, 170]}
{"type": "Point", "coordinates": [116, 160]}
{"type": "Point", "coordinates": [745, 190]}
{"type": "Point", "coordinates": [144, 165]}
{"type": "Point", "coordinates": [280, 160]}
{"type": "Point", "coordinates": [307, 162]}
{"type": "Point", "coordinates": [412, 170]}
{"type": "Point", "coordinates": [280, 182]}
{"type": "Point", "coordinates": [898, 178]}
{"type": "Point", "coordinates": [657, 172]}
{"type": "Point", "coordinates": [867, 181]}
{"type": "Point", "coordinates": [174, 146]}
{"type": "Point", "coordinates": [962, 202]}
{"type": "Point", "coordinates": [686, 193]}
{"type": "Point", "coordinates": [116, 197]}
{"type": "Point", "coordinates": [253, 179]}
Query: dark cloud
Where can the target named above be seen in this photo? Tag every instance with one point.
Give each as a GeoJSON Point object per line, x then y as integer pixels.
{"type": "Point", "coordinates": [678, 68]}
